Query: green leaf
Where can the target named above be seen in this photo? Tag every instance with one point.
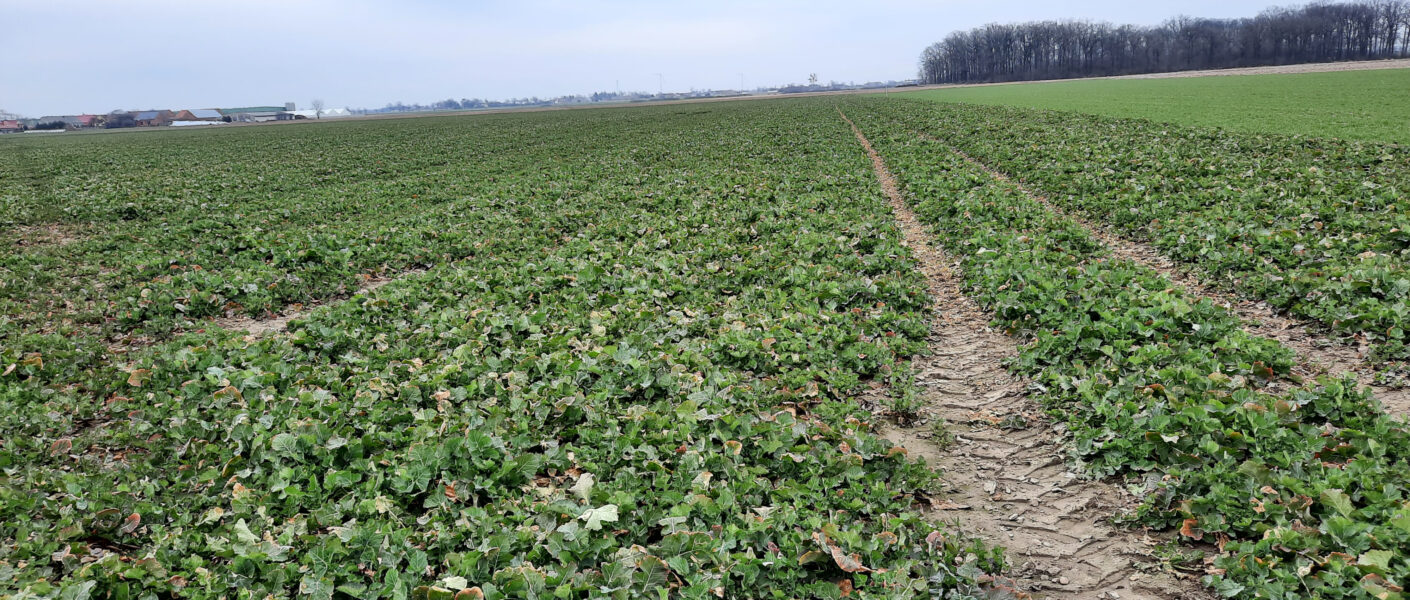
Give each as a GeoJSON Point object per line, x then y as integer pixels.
{"type": "Point", "coordinates": [286, 443]}
{"type": "Point", "coordinates": [1379, 559]}
{"type": "Point", "coordinates": [1338, 501]}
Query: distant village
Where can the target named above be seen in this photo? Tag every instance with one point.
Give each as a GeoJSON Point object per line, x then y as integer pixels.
{"type": "Point", "coordinates": [169, 118]}
{"type": "Point", "coordinates": [289, 112]}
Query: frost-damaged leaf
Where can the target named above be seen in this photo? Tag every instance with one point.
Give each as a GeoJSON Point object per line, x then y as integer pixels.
{"type": "Point", "coordinates": [702, 480]}
{"type": "Point", "coordinates": [138, 377]}
{"type": "Point", "coordinates": [455, 583]}
{"type": "Point", "coordinates": [60, 447]}
{"type": "Point", "coordinates": [228, 392]}
{"type": "Point", "coordinates": [811, 556]}
{"type": "Point", "coordinates": [583, 487]}
{"type": "Point", "coordinates": [672, 523]}
{"type": "Point", "coordinates": [595, 517]}
{"type": "Point", "coordinates": [935, 539]}
{"type": "Point", "coordinates": [131, 523]}
{"type": "Point", "coordinates": [243, 533]}
{"type": "Point", "coordinates": [474, 593]}
{"type": "Point", "coordinates": [851, 563]}
{"type": "Point", "coordinates": [317, 588]}
{"type": "Point", "coordinates": [1190, 529]}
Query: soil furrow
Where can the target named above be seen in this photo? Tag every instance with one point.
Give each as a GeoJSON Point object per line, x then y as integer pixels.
{"type": "Point", "coordinates": [1054, 523]}
{"type": "Point", "coordinates": [1318, 353]}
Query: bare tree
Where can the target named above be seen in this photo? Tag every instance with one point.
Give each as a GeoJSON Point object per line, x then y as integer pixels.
{"type": "Point", "coordinates": [317, 108]}
{"type": "Point", "coordinates": [1361, 30]}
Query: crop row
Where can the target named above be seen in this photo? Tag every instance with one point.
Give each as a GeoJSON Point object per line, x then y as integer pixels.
{"type": "Point", "coordinates": [1319, 228]}
{"type": "Point", "coordinates": [220, 246]}
{"type": "Point", "coordinates": [1303, 488]}
{"type": "Point", "coordinates": [645, 388]}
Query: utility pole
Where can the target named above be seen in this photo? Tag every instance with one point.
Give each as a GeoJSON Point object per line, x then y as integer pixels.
{"type": "Point", "coordinates": [741, 82]}
{"type": "Point", "coordinates": [660, 84]}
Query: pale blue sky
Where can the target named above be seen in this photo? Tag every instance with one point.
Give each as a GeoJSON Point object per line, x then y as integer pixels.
{"type": "Point", "coordinates": [71, 56]}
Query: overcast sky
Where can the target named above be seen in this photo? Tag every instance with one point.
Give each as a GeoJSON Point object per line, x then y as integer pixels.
{"type": "Point", "coordinates": [73, 56]}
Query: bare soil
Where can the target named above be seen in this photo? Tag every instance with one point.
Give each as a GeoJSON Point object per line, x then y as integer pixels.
{"type": "Point", "coordinates": [1008, 477]}
{"type": "Point", "coordinates": [1318, 352]}
{"type": "Point", "coordinates": [280, 323]}
{"type": "Point", "coordinates": [1363, 65]}
{"type": "Point", "coordinates": [55, 234]}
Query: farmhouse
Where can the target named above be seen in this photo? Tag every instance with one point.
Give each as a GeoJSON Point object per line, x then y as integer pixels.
{"type": "Point", "coordinates": [11, 126]}
{"type": "Point", "coordinates": [151, 118]}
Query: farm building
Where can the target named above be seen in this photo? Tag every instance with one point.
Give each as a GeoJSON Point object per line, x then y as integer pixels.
{"type": "Point", "coordinates": [198, 114]}
{"type": "Point", "coordinates": [10, 126]}
{"type": "Point", "coordinates": [71, 121]}
{"type": "Point", "coordinates": [118, 119]}
{"type": "Point", "coordinates": [328, 113]}
{"type": "Point", "coordinates": [151, 118]}
{"type": "Point", "coordinates": [256, 114]}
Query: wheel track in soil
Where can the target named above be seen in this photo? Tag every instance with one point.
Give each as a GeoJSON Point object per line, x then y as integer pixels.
{"type": "Point", "coordinates": [1011, 487]}
{"type": "Point", "coordinates": [1317, 353]}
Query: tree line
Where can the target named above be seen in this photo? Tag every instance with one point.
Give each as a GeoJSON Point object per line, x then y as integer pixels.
{"type": "Point", "coordinates": [1320, 32]}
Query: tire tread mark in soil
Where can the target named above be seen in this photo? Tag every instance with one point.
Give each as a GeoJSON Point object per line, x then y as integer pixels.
{"type": "Point", "coordinates": [1317, 353]}
{"type": "Point", "coordinates": [1009, 483]}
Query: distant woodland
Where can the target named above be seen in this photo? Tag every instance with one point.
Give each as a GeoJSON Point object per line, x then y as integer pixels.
{"type": "Point", "coordinates": [1060, 50]}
